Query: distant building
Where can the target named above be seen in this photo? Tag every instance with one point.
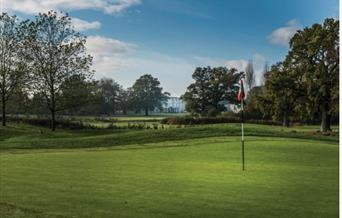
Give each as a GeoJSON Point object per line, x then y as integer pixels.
{"type": "Point", "coordinates": [174, 105]}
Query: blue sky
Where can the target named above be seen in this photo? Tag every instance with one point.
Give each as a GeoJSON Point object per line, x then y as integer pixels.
{"type": "Point", "coordinates": [169, 38]}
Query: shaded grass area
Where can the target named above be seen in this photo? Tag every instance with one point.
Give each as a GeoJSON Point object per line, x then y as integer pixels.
{"type": "Point", "coordinates": [285, 177]}
{"type": "Point", "coordinates": [12, 211]}
{"type": "Point", "coordinates": [30, 137]}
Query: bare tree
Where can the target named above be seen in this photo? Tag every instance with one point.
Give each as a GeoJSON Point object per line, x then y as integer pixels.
{"type": "Point", "coordinates": [57, 53]}
{"type": "Point", "coordinates": [250, 75]}
{"type": "Point", "coordinates": [264, 72]}
{"type": "Point", "coordinates": [12, 68]}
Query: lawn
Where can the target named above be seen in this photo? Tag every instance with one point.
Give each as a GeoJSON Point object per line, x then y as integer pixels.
{"type": "Point", "coordinates": [180, 172]}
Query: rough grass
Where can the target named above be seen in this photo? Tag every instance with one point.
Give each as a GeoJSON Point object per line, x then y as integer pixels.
{"type": "Point", "coordinates": [185, 172]}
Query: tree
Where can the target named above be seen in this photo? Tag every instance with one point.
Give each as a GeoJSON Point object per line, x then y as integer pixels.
{"type": "Point", "coordinates": [315, 52]}
{"type": "Point", "coordinates": [12, 67]}
{"type": "Point", "coordinates": [253, 109]}
{"type": "Point", "coordinates": [125, 99]}
{"type": "Point", "coordinates": [76, 92]}
{"type": "Point", "coordinates": [19, 101]}
{"type": "Point", "coordinates": [250, 75]}
{"type": "Point", "coordinates": [211, 88]}
{"type": "Point", "coordinates": [109, 92]}
{"type": "Point", "coordinates": [264, 72]}
{"type": "Point", "coordinates": [282, 91]}
{"type": "Point", "coordinates": [56, 53]}
{"type": "Point", "coordinates": [147, 93]}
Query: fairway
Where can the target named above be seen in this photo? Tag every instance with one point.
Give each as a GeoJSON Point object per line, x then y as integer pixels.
{"type": "Point", "coordinates": [284, 177]}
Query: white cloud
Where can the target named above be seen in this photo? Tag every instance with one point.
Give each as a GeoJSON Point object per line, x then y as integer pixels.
{"type": "Point", "coordinates": [35, 6]}
{"type": "Point", "coordinates": [240, 65]}
{"type": "Point", "coordinates": [103, 46]}
{"type": "Point", "coordinates": [81, 25]}
{"type": "Point", "coordinates": [174, 73]}
{"type": "Point", "coordinates": [120, 6]}
{"type": "Point", "coordinates": [283, 34]}
{"type": "Point", "coordinates": [258, 66]}
{"type": "Point", "coordinates": [121, 61]}
{"type": "Point", "coordinates": [109, 54]}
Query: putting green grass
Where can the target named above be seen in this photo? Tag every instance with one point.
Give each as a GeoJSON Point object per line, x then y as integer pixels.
{"type": "Point", "coordinates": [199, 177]}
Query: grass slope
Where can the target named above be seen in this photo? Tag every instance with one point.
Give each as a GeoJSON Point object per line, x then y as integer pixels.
{"type": "Point", "coordinates": [29, 137]}
{"type": "Point", "coordinates": [200, 177]}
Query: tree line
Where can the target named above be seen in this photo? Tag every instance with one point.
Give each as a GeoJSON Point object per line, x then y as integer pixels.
{"type": "Point", "coordinates": [302, 88]}
{"type": "Point", "coordinates": [45, 68]}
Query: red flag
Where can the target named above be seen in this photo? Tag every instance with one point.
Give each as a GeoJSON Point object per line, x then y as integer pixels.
{"type": "Point", "coordinates": [241, 94]}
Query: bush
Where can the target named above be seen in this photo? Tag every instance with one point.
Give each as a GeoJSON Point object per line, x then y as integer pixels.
{"type": "Point", "coordinates": [45, 122]}
{"type": "Point", "coordinates": [212, 120]}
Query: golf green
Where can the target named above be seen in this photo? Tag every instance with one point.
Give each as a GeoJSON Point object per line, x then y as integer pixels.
{"type": "Point", "coordinates": [284, 177]}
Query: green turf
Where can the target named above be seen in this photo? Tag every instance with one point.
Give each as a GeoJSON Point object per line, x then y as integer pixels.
{"type": "Point", "coordinates": [29, 137]}
{"type": "Point", "coordinates": [198, 175]}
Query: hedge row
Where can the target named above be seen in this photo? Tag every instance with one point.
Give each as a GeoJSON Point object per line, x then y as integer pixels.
{"type": "Point", "coordinates": [212, 120]}
{"type": "Point", "coordinates": [45, 122]}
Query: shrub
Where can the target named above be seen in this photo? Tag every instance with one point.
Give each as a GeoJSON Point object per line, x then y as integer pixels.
{"type": "Point", "coordinates": [212, 120]}
{"type": "Point", "coordinates": [45, 122]}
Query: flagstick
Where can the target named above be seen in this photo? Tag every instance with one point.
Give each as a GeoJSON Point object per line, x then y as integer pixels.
{"type": "Point", "coordinates": [242, 138]}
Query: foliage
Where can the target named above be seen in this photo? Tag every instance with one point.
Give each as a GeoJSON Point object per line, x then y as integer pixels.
{"type": "Point", "coordinates": [253, 109]}
{"type": "Point", "coordinates": [212, 120]}
{"type": "Point", "coordinates": [283, 91]}
{"type": "Point", "coordinates": [12, 67]}
{"type": "Point", "coordinates": [125, 101]}
{"type": "Point", "coordinates": [56, 54]}
{"type": "Point", "coordinates": [147, 94]}
{"type": "Point", "coordinates": [212, 87]}
{"type": "Point", "coordinates": [314, 51]}
{"type": "Point", "coordinates": [45, 122]}
{"type": "Point", "coordinates": [108, 91]}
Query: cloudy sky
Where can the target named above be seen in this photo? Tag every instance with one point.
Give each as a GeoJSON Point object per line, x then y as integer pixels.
{"type": "Point", "coordinates": [169, 38]}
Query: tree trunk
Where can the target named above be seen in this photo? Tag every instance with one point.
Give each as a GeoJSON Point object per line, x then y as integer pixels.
{"type": "Point", "coordinates": [114, 110]}
{"type": "Point", "coordinates": [53, 108]}
{"type": "Point", "coordinates": [124, 111]}
{"type": "Point", "coordinates": [146, 112]}
{"type": "Point", "coordinates": [325, 123]}
{"type": "Point", "coordinates": [53, 112]}
{"type": "Point", "coordinates": [286, 122]}
{"type": "Point", "coordinates": [3, 111]}
{"type": "Point", "coordinates": [53, 120]}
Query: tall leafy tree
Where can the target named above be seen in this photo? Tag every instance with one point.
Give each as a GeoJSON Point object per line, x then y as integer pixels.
{"type": "Point", "coordinates": [109, 92]}
{"type": "Point", "coordinates": [282, 91]}
{"type": "Point", "coordinates": [125, 99]}
{"type": "Point", "coordinates": [56, 53]}
{"type": "Point", "coordinates": [76, 92]}
{"type": "Point", "coordinates": [315, 52]}
{"type": "Point", "coordinates": [147, 94]}
{"type": "Point", "coordinates": [12, 67]}
{"type": "Point", "coordinates": [211, 88]}
{"type": "Point", "coordinates": [253, 108]}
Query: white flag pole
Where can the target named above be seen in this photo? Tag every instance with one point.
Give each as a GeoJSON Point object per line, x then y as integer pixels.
{"type": "Point", "coordinates": [242, 133]}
